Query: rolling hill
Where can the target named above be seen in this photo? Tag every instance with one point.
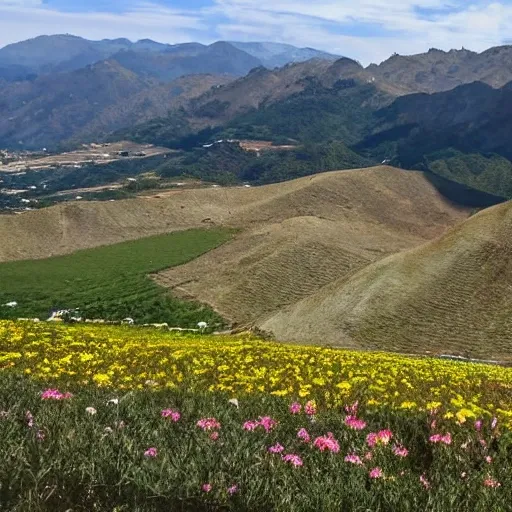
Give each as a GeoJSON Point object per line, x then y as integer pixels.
{"type": "Point", "coordinates": [303, 234]}
{"type": "Point", "coordinates": [448, 296]}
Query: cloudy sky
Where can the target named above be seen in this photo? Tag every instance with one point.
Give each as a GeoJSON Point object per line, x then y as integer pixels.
{"type": "Point", "coordinates": [368, 30]}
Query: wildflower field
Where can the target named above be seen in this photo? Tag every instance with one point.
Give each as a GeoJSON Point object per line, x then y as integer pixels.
{"type": "Point", "coordinates": [127, 419]}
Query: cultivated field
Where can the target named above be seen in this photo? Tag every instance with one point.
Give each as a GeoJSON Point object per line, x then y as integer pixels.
{"type": "Point", "coordinates": [126, 419]}
{"type": "Point", "coordinates": [110, 282]}
{"type": "Point", "coordinates": [299, 236]}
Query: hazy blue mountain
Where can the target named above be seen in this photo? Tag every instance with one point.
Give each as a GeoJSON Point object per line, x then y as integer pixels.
{"type": "Point", "coordinates": [65, 52]}
{"type": "Point", "coordinates": [274, 55]}
{"type": "Point", "coordinates": [218, 58]}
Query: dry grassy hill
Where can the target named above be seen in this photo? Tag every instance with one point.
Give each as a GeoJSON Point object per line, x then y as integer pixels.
{"type": "Point", "coordinates": [302, 235]}
{"type": "Point", "coordinates": [295, 237]}
{"type": "Point", "coordinates": [451, 296]}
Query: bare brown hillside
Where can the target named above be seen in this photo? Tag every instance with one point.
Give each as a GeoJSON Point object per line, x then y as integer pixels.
{"type": "Point", "coordinates": [451, 296]}
{"type": "Point", "coordinates": [302, 235]}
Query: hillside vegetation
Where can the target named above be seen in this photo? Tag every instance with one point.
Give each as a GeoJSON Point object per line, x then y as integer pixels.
{"type": "Point", "coordinates": [110, 282]}
{"type": "Point", "coordinates": [451, 295]}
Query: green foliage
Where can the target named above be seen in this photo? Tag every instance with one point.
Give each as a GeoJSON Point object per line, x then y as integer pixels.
{"type": "Point", "coordinates": [163, 131]}
{"type": "Point", "coordinates": [229, 163]}
{"type": "Point", "coordinates": [69, 459]}
{"type": "Point", "coordinates": [110, 282]}
{"type": "Point", "coordinates": [490, 173]}
{"type": "Point", "coordinates": [315, 115]}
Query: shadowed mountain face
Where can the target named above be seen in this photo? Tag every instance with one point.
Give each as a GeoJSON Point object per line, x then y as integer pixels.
{"type": "Point", "coordinates": [456, 134]}
{"type": "Point", "coordinates": [218, 58]}
{"type": "Point", "coordinates": [87, 103]}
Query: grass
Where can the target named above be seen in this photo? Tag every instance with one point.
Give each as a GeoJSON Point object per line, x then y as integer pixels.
{"type": "Point", "coordinates": [57, 456]}
{"type": "Point", "coordinates": [110, 282]}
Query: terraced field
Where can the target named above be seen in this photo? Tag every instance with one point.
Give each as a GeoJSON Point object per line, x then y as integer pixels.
{"type": "Point", "coordinates": [314, 231]}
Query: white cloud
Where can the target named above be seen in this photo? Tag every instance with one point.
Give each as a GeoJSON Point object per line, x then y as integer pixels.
{"type": "Point", "coordinates": [397, 25]}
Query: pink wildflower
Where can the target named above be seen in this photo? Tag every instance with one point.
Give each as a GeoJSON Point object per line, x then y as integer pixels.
{"type": "Point", "coordinates": [447, 439]}
{"type": "Point", "coordinates": [376, 473]}
{"type": "Point", "coordinates": [494, 423]}
{"type": "Point", "coordinates": [40, 435]}
{"type": "Point", "coordinates": [214, 436]}
{"type": "Point", "coordinates": [424, 481]}
{"type": "Point", "coordinates": [54, 394]}
{"type": "Point", "coordinates": [483, 442]}
{"type": "Point", "coordinates": [151, 452]}
{"type": "Point", "coordinates": [488, 459]}
{"type": "Point", "coordinates": [267, 423]}
{"type": "Point", "coordinates": [353, 459]}
{"type": "Point", "coordinates": [400, 451]}
{"type": "Point", "coordinates": [310, 408]}
{"type": "Point", "coordinates": [433, 425]}
{"type": "Point", "coordinates": [208, 424]}
{"type": "Point", "coordinates": [327, 442]}
{"type": "Point", "coordinates": [172, 414]}
{"type": "Point", "coordinates": [438, 438]}
{"type": "Point", "coordinates": [355, 423]}
{"type": "Point", "coordinates": [478, 425]}
{"type": "Point", "coordinates": [352, 409]}
{"type": "Point", "coordinates": [277, 448]}
{"type": "Point", "coordinates": [491, 482]}
{"type": "Point", "coordinates": [293, 459]}
{"type": "Point", "coordinates": [232, 490]}
{"type": "Point", "coordinates": [371, 439]}
{"type": "Point", "coordinates": [295, 408]}
{"type": "Point", "coordinates": [304, 435]}
{"type": "Point", "coordinates": [368, 456]}
{"type": "Point", "coordinates": [251, 425]}
{"type": "Point", "coordinates": [206, 487]}
{"type": "Point", "coordinates": [384, 436]}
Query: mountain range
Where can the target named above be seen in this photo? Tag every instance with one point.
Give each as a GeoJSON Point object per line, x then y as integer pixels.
{"type": "Point", "coordinates": [61, 53]}
{"type": "Point", "coordinates": [446, 113]}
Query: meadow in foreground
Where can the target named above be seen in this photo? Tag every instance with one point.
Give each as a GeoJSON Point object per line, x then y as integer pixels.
{"type": "Point", "coordinates": [121, 419]}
